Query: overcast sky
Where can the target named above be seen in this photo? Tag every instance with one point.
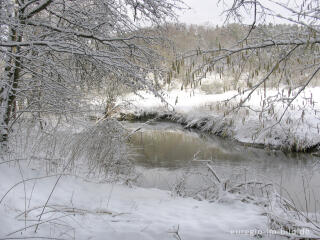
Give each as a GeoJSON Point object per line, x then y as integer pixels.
{"type": "Point", "coordinates": [203, 11]}
{"type": "Point", "coordinates": [208, 11]}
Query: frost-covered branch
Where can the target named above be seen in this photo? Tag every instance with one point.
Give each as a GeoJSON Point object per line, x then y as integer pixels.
{"type": "Point", "coordinates": [54, 51]}
{"type": "Point", "coordinates": [265, 55]}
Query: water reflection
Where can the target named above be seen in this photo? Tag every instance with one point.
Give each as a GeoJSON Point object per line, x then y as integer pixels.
{"type": "Point", "coordinates": [165, 152]}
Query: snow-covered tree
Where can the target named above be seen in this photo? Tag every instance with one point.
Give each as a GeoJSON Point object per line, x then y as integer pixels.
{"type": "Point", "coordinates": [51, 50]}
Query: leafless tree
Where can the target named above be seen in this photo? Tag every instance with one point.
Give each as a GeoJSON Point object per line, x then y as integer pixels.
{"type": "Point", "coordinates": [53, 50]}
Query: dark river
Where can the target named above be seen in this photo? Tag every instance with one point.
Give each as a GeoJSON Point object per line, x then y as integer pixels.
{"type": "Point", "coordinates": [166, 151]}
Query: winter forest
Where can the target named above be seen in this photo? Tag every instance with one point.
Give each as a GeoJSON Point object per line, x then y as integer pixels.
{"type": "Point", "coordinates": [120, 119]}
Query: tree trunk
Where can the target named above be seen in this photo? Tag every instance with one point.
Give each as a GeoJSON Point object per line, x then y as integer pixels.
{"type": "Point", "coordinates": [10, 84]}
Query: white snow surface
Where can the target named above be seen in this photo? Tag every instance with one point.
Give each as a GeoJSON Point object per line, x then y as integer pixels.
{"type": "Point", "coordinates": [298, 127]}
{"type": "Point", "coordinates": [80, 209]}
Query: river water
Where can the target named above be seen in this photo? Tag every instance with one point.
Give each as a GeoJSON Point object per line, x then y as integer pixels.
{"type": "Point", "coordinates": [166, 151]}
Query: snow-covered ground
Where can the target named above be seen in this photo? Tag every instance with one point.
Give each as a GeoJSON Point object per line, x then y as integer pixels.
{"type": "Point", "coordinates": [298, 128]}
{"type": "Point", "coordinates": [79, 209]}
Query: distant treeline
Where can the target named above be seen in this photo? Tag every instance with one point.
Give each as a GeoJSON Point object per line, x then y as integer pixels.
{"type": "Point", "coordinates": [246, 67]}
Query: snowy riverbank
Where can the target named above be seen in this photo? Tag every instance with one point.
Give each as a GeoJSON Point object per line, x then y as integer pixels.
{"type": "Point", "coordinates": [79, 209]}
{"type": "Point", "coordinates": [298, 129]}
{"type": "Point", "coordinates": [76, 204]}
